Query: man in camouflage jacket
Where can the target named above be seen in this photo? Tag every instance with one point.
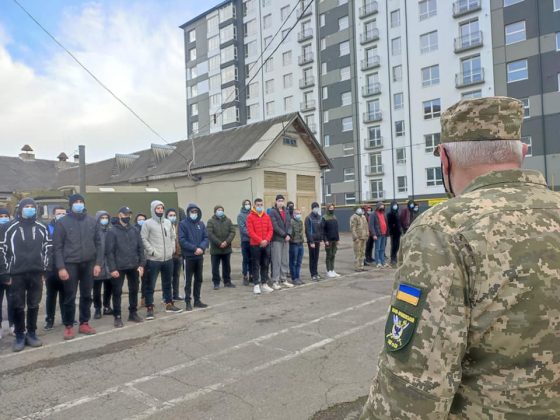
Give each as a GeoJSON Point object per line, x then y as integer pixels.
{"type": "Point", "coordinates": [473, 329]}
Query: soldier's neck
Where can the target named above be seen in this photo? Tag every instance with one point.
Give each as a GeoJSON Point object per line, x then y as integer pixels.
{"type": "Point", "coordinates": [462, 177]}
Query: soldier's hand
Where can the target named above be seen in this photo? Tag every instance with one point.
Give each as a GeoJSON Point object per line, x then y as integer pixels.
{"type": "Point", "coordinates": [63, 274]}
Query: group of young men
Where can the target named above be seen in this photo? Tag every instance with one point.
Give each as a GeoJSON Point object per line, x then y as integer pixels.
{"type": "Point", "coordinates": [95, 255]}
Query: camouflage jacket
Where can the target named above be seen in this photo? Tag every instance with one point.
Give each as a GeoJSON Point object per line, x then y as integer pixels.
{"type": "Point", "coordinates": [359, 227]}
{"type": "Point", "coordinates": [474, 325]}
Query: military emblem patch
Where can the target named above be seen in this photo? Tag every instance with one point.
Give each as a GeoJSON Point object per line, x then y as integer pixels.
{"type": "Point", "coordinates": [399, 329]}
{"type": "Point", "coordinates": [409, 294]}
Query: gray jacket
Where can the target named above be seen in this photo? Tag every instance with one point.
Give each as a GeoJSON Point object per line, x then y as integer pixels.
{"type": "Point", "coordinates": [158, 236]}
{"type": "Point", "coordinates": [282, 228]}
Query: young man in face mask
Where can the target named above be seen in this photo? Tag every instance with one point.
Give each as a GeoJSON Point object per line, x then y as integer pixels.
{"type": "Point", "coordinates": [296, 247]}
{"type": "Point", "coordinates": [5, 287]}
{"type": "Point", "coordinates": [103, 280]}
{"type": "Point", "coordinates": [395, 230]}
{"type": "Point", "coordinates": [158, 239]}
{"type": "Point", "coordinates": [259, 228]}
{"type": "Point", "coordinates": [380, 230]}
{"type": "Point", "coordinates": [54, 286]}
{"type": "Point", "coordinates": [138, 222]}
{"type": "Point", "coordinates": [360, 233]}
{"type": "Point", "coordinates": [405, 216]}
{"type": "Point", "coordinates": [78, 259]}
{"type": "Point", "coordinates": [314, 236]}
{"type": "Point", "coordinates": [125, 258]}
{"type": "Point", "coordinates": [245, 241]}
{"type": "Point", "coordinates": [173, 217]}
{"type": "Point", "coordinates": [280, 248]}
{"type": "Point", "coordinates": [331, 237]}
{"type": "Point", "coordinates": [193, 238]}
{"type": "Point", "coordinates": [25, 258]}
{"type": "Point", "coordinates": [220, 234]}
{"type": "Point", "coordinates": [370, 243]}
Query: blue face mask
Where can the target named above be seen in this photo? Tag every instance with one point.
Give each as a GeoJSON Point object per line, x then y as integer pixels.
{"type": "Point", "coordinates": [172, 219]}
{"type": "Point", "coordinates": [395, 207]}
{"type": "Point", "coordinates": [104, 222]}
{"type": "Point", "coordinates": [78, 207]}
{"type": "Point", "coordinates": [140, 222]}
{"type": "Point", "coordinates": [193, 216]}
{"type": "Point", "coordinates": [28, 212]}
{"type": "Point", "coordinates": [297, 216]}
{"type": "Point", "coordinates": [59, 216]}
{"type": "Point", "coordinates": [220, 213]}
{"type": "Point", "coordinates": [4, 220]}
{"type": "Point", "coordinates": [259, 209]}
{"type": "Point", "coordinates": [247, 207]}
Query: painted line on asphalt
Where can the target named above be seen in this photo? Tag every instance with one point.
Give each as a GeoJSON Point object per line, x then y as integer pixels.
{"type": "Point", "coordinates": [172, 369]}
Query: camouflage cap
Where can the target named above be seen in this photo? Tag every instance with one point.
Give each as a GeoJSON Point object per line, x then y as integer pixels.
{"type": "Point", "coordinates": [483, 119]}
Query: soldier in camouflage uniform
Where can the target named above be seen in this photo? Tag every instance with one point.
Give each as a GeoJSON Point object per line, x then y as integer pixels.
{"type": "Point", "coordinates": [360, 233]}
{"type": "Point", "coordinates": [473, 329]}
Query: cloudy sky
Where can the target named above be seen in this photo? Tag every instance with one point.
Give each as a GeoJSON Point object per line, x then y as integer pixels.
{"type": "Point", "coordinates": [134, 46]}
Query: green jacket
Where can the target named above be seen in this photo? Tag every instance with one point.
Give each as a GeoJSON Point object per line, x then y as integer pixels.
{"type": "Point", "coordinates": [220, 229]}
{"type": "Point", "coordinates": [297, 232]}
{"type": "Point", "coordinates": [472, 330]}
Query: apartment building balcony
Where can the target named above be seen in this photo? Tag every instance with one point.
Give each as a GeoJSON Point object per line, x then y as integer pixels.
{"type": "Point", "coordinates": [374, 170]}
{"type": "Point", "coordinates": [463, 7]}
{"type": "Point", "coordinates": [305, 35]}
{"type": "Point", "coordinates": [303, 10]}
{"type": "Point", "coordinates": [369, 36]}
{"type": "Point", "coordinates": [371, 62]}
{"type": "Point", "coordinates": [369, 8]}
{"type": "Point", "coordinates": [372, 116]}
{"type": "Point", "coordinates": [307, 105]}
{"type": "Point", "coordinates": [371, 89]}
{"type": "Point", "coordinates": [374, 143]}
{"type": "Point", "coordinates": [468, 42]}
{"type": "Point", "coordinates": [307, 82]}
{"type": "Point", "coordinates": [305, 59]}
{"type": "Point", "coordinates": [312, 127]}
{"type": "Point", "coordinates": [376, 195]}
{"type": "Point", "coordinates": [470, 78]}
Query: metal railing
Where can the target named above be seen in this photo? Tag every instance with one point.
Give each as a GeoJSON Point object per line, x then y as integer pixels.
{"type": "Point", "coordinates": [372, 116]}
{"type": "Point", "coordinates": [369, 8]}
{"type": "Point", "coordinates": [369, 36]}
{"type": "Point", "coordinates": [371, 89]}
{"type": "Point", "coordinates": [371, 62]}
{"type": "Point", "coordinates": [374, 143]}
{"type": "Point", "coordinates": [306, 82]}
{"type": "Point", "coordinates": [374, 169]}
{"type": "Point", "coordinates": [463, 7]}
{"type": "Point", "coordinates": [307, 105]}
{"type": "Point", "coordinates": [305, 35]}
{"type": "Point", "coordinates": [469, 78]}
{"type": "Point", "coordinates": [305, 59]}
{"type": "Point", "coordinates": [466, 42]}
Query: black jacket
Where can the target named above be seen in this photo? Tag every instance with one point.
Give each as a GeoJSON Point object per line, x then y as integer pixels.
{"type": "Point", "coordinates": [124, 249]}
{"type": "Point", "coordinates": [330, 228]}
{"type": "Point", "coordinates": [394, 223]}
{"type": "Point", "coordinates": [314, 228]}
{"type": "Point", "coordinates": [76, 240]}
{"type": "Point", "coordinates": [25, 247]}
{"type": "Point", "coordinates": [281, 227]}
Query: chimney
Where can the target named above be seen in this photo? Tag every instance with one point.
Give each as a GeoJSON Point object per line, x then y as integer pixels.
{"type": "Point", "coordinates": [27, 153]}
{"type": "Point", "coordinates": [62, 157]}
{"type": "Point", "coordinates": [63, 161]}
{"type": "Point", "coordinates": [76, 157]}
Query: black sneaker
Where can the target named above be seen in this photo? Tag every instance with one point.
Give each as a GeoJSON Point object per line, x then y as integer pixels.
{"type": "Point", "coordinates": [49, 325]}
{"type": "Point", "coordinates": [188, 306]}
{"type": "Point", "coordinates": [118, 322]}
{"type": "Point", "coordinates": [199, 304]}
{"type": "Point", "coordinates": [32, 340]}
{"type": "Point", "coordinates": [216, 287]}
{"type": "Point", "coordinates": [107, 311]}
{"type": "Point", "coordinates": [246, 281]}
{"type": "Point", "coordinates": [134, 317]}
{"type": "Point", "coordinates": [19, 343]}
{"type": "Point", "coordinates": [97, 314]}
{"type": "Point", "coordinates": [150, 313]}
{"type": "Point", "coordinates": [230, 285]}
{"type": "Point", "coordinates": [171, 308]}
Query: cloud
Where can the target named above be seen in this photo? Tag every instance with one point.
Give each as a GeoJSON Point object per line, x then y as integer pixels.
{"type": "Point", "coordinates": [54, 105]}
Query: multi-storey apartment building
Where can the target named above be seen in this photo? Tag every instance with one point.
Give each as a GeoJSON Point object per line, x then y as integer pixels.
{"type": "Point", "coordinates": [369, 77]}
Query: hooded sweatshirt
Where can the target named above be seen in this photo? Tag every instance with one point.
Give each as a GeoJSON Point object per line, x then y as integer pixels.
{"type": "Point", "coordinates": [379, 223]}
{"type": "Point", "coordinates": [25, 245]}
{"type": "Point", "coordinates": [103, 231]}
{"type": "Point", "coordinates": [393, 220]}
{"type": "Point", "coordinates": [158, 236]}
{"type": "Point", "coordinates": [193, 234]}
{"type": "Point", "coordinates": [242, 223]}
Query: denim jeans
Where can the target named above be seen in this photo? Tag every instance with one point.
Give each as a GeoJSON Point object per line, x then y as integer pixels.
{"type": "Point", "coordinates": [246, 254]}
{"type": "Point", "coordinates": [296, 256]}
{"type": "Point", "coordinates": [380, 249]}
{"type": "Point", "coordinates": [154, 268]}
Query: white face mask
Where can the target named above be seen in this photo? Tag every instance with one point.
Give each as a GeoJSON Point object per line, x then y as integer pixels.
{"type": "Point", "coordinates": [359, 212]}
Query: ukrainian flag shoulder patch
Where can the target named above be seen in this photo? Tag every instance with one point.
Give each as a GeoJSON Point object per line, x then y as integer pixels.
{"type": "Point", "coordinates": [409, 294]}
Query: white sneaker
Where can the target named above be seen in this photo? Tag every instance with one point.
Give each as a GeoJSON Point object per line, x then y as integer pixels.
{"type": "Point", "coordinates": [287, 284]}
{"type": "Point", "coordinates": [1, 332]}
{"type": "Point", "coordinates": [335, 273]}
{"type": "Point", "coordinates": [276, 286]}
{"type": "Point", "coordinates": [12, 330]}
{"type": "Point", "coordinates": [378, 266]}
{"type": "Point", "coordinates": [266, 288]}
{"type": "Point", "coordinates": [257, 289]}
{"type": "Point", "coordinates": [330, 274]}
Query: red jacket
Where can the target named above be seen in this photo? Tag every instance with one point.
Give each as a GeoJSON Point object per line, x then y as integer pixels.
{"type": "Point", "coordinates": [259, 227]}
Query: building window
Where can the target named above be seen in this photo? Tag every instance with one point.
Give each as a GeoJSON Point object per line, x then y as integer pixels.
{"type": "Point", "coordinates": [396, 46]}
{"type": "Point", "coordinates": [517, 70]}
{"type": "Point", "coordinates": [193, 91]}
{"type": "Point", "coordinates": [195, 127]}
{"type": "Point", "coordinates": [348, 174]}
{"type": "Point", "coordinates": [267, 21]}
{"type": "Point", "coordinates": [215, 100]}
{"type": "Point", "coordinates": [287, 58]}
{"type": "Point", "coordinates": [327, 190]}
{"type": "Point", "coordinates": [376, 187]}
{"type": "Point", "coordinates": [427, 8]}
{"type": "Point", "coordinates": [510, 2]}
{"type": "Point", "coordinates": [347, 124]}
{"type": "Point", "coordinates": [398, 100]}
{"type": "Point", "coordinates": [269, 86]}
{"type": "Point", "coordinates": [285, 35]}
{"type": "Point", "coordinates": [229, 74]}
{"type": "Point", "coordinates": [322, 19]}
{"type": "Point", "coordinates": [402, 184]}
{"type": "Point", "coordinates": [214, 43]}
{"type": "Point", "coordinates": [326, 140]}
{"type": "Point", "coordinates": [433, 177]}
{"type": "Point", "coordinates": [284, 13]}
{"type": "Point", "coordinates": [430, 76]}
{"type": "Point", "coordinates": [528, 140]}
{"type": "Point", "coordinates": [431, 141]}
{"type": "Point", "coordinates": [194, 110]}
{"type": "Point", "coordinates": [343, 23]}
{"type": "Point", "coordinates": [269, 108]}
{"type": "Point", "coordinates": [344, 48]}
{"type": "Point", "coordinates": [428, 42]}
{"type": "Point", "coordinates": [374, 136]}
{"type": "Point", "coordinates": [192, 73]}
{"type": "Point", "coordinates": [350, 198]}
{"type": "Point", "coordinates": [288, 103]}
{"type": "Point", "coordinates": [526, 108]}
{"type": "Point", "coordinates": [250, 28]}
{"type": "Point", "coordinates": [397, 73]}
{"type": "Point", "coordinates": [348, 149]}
{"type": "Point", "coordinates": [325, 92]}
{"type": "Point", "coordinates": [557, 41]}
{"type": "Point", "coordinates": [473, 94]}
{"type": "Point", "coordinates": [432, 109]}
{"type": "Point", "coordinates": [253, 90]}
{"type": "Point", "coordinates": [213, 24]}
{"type": "Point", "coordinates": [399, 128]}
{"type": "Point", "coordinates": [471, 70]}
{"type": "Point", "coordinates": [395, 18]}
{"type": "Point", "coordinates": [267, 41]}
{"type": "Point", "coordinates": [192, 54]}
{"type": "Point", "coordinates": [324, 68]}
{"type": "Point", "coordinates": [556, 5]}
{"type": "Point", "coordinates": [345, 73]}
{"type": "Point", "coordinates": [515, 32]}
{"type": "Point", "coordinates": [230, 115]}
{"type": "Point", "coordinates": [346, 98]}
{"type": "Point", "coordinates": [253, 111]}
{"type": "Point", "coordinates": [401, 155]}
{"type": "Point", "coordinates": [192, 36]}
{"type": "Point", "coordinates": [558, 81]}
{"type": "Point", "coordinates": [269, 65]}
{"type": "Point", "coordinates": [323, 45]}
{"type": "Point", "coordinates": [326, 116]}
{"type": "Point", "coordinates": [288, 81]}
{"type": "Point", "coordinates": [228, 54]}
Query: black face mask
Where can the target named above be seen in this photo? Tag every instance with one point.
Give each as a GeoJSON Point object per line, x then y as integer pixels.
{"type": "Point", "coordinates": [291, 210]}
{"type": "Point", "coordinates": [448, 189]}
{"type": "Point", "coordinates": [159, 214]}
{"type": "Point", "coordinates": [125, 220]}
